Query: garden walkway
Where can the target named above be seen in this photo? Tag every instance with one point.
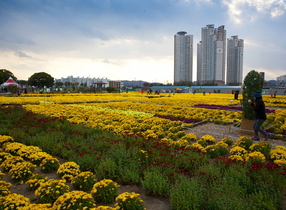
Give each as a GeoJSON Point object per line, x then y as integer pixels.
{"type": "Point", "coordinates": [220, 131]}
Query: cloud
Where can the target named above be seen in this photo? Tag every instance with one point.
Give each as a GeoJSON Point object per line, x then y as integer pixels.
{"type": "Point", "coordinates": [240, 10]}
{"type": "Point", "coordinates": [109, 62]}
{"type": "Point", "coordinates": [272, 73]}
{"type": "Point", "coordinates": [22, 55]}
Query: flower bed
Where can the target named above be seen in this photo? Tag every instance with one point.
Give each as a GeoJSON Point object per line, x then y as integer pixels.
{"type": "Point", "coordinates": [187, 171]}
{"type": "Point", "coordinates": [229, 108]}
{"type": "Point", "coordinates": [163, 171]}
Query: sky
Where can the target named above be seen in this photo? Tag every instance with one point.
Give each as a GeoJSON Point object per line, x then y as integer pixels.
{"type": "Point", "coordinates": [132, 39]}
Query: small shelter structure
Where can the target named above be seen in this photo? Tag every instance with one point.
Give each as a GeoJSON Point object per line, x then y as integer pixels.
{"type": "Point", "coordinates": [99, 86]}
{"type": "Point", "coordinates": [10, 81]}
{"type": "Point", "coordinates": [5, 86]}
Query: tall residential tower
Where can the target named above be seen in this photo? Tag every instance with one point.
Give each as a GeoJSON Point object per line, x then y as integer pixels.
{"type": "Point", "coordinates": [183, 58]}
{"type": "Point", "coordinates": [211, 52]}
{"type": "Point", "coordinates": [234, 60]}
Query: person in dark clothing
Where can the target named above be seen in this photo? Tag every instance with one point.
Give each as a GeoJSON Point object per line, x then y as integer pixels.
{"type": "Point", "coordinates": [260, 116]}
{"type": "Point", "coordinates": [236, 94]}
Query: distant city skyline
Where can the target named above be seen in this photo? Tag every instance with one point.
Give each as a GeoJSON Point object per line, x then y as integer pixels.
{"type": "Point", "coordinates": [211, 57]}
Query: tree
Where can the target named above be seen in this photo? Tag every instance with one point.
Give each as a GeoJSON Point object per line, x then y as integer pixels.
{"type": "Point", "coordinates": [5, 74]}
{"type": "Point", "coordinates": [183, 83]}
{"type": "Point", "coordinates": [41, 79]}
{"type": "Point", "coordinates": [22, 82]}
{"type": "Point", "coordinates": [59, 84]}
{"type": "Point", "coordinates": [146, 84]}
{"type": "Point", "coordinates": [110, 89]}
{"type": "Point", "coordinates": [252, 82]}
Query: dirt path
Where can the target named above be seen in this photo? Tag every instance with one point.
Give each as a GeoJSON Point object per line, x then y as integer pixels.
{"type": "Point", "coordinates": [220, 131]}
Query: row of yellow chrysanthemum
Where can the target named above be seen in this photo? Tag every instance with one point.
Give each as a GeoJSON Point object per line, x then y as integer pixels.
{"type": "Point", "coordinates": [182, 99]}
{"type": "Point", "coordinates": [242, 150]}
{"type": "Point", "coordinates": [20, 162]}
{"type": "Point", "coordinates": [137, 117]}
{"type": "Point", "coordinates": [186, 99]}
{"type": "Point", "coordinates": [118, 122]}
{"type": "Point", "coordinates": [178, 106]}
{"type": "Point", "coordinates": [175, 111]}
{"type": "Point", "coordinates": [276, 120]}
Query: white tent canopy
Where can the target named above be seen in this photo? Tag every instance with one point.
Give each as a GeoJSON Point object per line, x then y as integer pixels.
{"type": "Point", "coordinates": [10, 81]}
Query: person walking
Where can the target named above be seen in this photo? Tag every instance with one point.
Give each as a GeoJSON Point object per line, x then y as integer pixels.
{"type": "Point", "coordinates": [236, 95]}
{"type": "Point", "coordinates": [274, 94]}
{"type": "Point", "coordinates": [260, 116]}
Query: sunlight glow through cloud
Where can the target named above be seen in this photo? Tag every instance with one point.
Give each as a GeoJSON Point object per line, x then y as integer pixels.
{"type": "Point", "coordinates": [245, 9]}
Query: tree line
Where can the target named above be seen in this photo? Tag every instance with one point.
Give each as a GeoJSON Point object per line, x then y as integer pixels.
{"type": "Point", "coordinates": [39, 80]}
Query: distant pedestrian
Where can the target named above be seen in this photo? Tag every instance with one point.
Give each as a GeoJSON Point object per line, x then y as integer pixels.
{"type": "Point", "coordinates": [236, 94]}
{"type": "Point", "coordinates": [274, 94]}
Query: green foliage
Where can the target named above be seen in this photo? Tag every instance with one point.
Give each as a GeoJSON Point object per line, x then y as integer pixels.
{"type": "Point", "coordinates": [155, 183]}
{"type": "Point", "coordinates": [252, 82]}
{"type": "Point", "coordinates": [129, 175]}
{"type": "Point", "coordinates": [107, 169]}
{"type": "Point", "coordinates": [262, 200]}
{"type": "Point", "coordinates": [187, 194]}
{"type": "Point", "coordinates": [110, 89]}
{"type": "Point", "coordinates": [41, 79]}
{"type": "Point", "coordinates": [5, 74]}
{"type": "Point", "coordinates": [226, 194]}
{"type": "Point", "coordinates": [187, 161]}
{"type": "Point", "coordinates": [87, 162]}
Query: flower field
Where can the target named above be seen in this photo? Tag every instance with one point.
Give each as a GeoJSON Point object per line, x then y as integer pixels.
{"type": "Point", "coordinates": [110, 140]}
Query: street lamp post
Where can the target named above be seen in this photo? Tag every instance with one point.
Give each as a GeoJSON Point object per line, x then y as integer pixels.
{"type": "Point", "coordinates": [2, 80]}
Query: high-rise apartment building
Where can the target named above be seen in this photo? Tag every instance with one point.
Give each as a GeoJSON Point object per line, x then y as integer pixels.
{"type": "Point", "coordinates": [234, 60]}
{"type": "Point", "coordinates": [183, 57]}
{"type": "Point", "coordinates": [281, 80]}
{"type": "Point", "coordinates": [211, 52]}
